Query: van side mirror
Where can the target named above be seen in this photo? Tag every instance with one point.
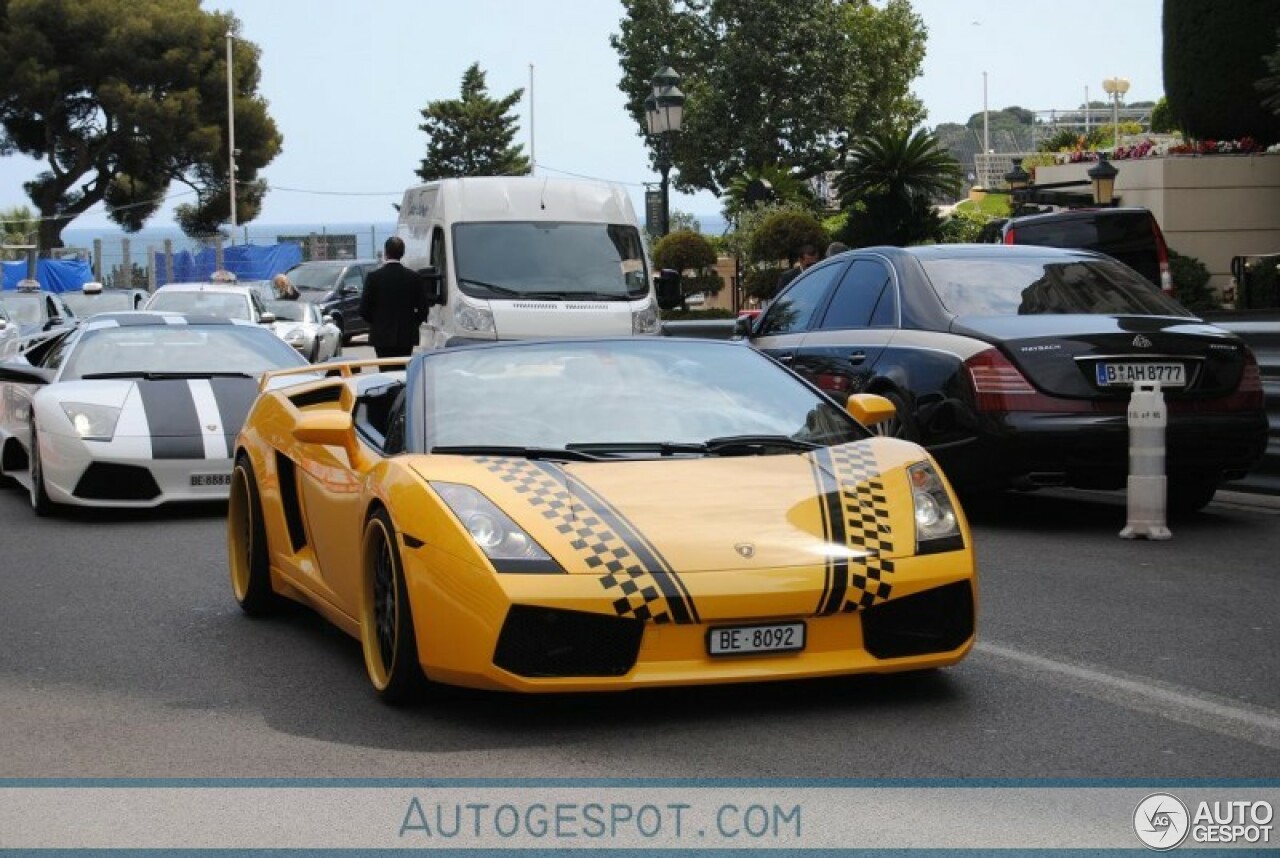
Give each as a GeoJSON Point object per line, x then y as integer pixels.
{"type": "Point", "coordinates": [432, 285]}
{"type": "Point", "coordinates": [742, 327]}
{"type": "Point", "coordinates": [668, 287]}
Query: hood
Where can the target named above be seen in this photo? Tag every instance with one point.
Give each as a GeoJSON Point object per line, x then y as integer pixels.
{"type": "Point", "coordinates": [195, 418]}
{"type": "Point", "coordinates": [534, 319]}
{"type": "Point", "coordinates": [701, 515]}
{"type": "Point", "coordinates": [1062, 354]}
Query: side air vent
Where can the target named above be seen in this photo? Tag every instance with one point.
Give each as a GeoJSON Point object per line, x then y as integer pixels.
{"type": "Point", "coordinates": [319, 396]}
{"type": "Point", "coordinates": [289, 501]}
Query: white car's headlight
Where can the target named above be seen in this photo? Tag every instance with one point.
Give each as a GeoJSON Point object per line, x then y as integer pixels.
{"type": "Point", "coordinates": [93, 422]}
{"type": "Point", "coordinates": [471, 317]}
{"type": "Point", "coordinates": [295, 337]}
{"type": "Point", "coordinates": [937, 524]}
{"type": "Point", "coordinates": [645, 320]}
{"type": "Point", "coordinates": [503, 541]}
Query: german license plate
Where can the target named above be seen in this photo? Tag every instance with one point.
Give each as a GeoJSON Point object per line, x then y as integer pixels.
{"type": "Point", "coordinates": [744, 640]}
{"type": "Point", "coordinates": [202, 480]}
{"type": "Point", "coordinates": [1126, 374]}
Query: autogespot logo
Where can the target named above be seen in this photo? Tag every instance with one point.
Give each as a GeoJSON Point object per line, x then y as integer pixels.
{"type": "Point", "coordinates": [1161, 821]}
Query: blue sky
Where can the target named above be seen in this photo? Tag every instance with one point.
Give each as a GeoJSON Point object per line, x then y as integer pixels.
{"type": "Point", "coordinates": [345, 82]}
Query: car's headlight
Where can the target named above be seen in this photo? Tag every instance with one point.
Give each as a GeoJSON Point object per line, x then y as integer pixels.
{"type": "Point", "coordinates": [506, 545]}
{"type": "Point", "coordinates": [93, 422]}
{"type": "Point", "coordinates": [937, 524]}
{"type": "Point", "coordinates": [471, 317]}
{"type": "Point", "coordinates": [295, 337]}
{"type": "Point", "coordinates": [645, 320]}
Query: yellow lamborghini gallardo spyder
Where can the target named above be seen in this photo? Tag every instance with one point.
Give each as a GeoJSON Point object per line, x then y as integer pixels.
{"type": "Point", "coordinates": [589, 515]}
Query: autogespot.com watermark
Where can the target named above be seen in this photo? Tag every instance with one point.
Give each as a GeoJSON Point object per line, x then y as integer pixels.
{"type": "Point", "coordinates": [1162, 822]}
{"type": "Point", "coordinates": [606, 821]}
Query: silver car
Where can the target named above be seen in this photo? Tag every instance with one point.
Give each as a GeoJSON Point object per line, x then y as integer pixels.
{"type": "Point", "coordinates": [304, 326]}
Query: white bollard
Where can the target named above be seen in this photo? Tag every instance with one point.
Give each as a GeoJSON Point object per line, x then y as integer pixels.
{"type": "Point", "coordinates": [1148, 418]}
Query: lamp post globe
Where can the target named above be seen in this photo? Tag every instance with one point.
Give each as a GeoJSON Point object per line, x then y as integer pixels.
{"type": "Point", "coordinates": [1115, 87]}
{"type": "Point", "coordinates": [664, 113]}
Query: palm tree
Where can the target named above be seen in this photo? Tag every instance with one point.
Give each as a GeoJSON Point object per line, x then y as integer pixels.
{"type": "Point", "coordinates": [17, 226]}
{"type": "Point", "coordinates": [889, 183]}
{"type": "Point", "coordinates": [784, 186]}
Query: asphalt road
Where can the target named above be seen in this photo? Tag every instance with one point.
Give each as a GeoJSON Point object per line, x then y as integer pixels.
{"type": "Point", "coordinates": [122, 654]}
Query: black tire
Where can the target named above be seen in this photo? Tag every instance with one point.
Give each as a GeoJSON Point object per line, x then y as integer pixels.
{"type": "Point", "coordinates": [343, 336]}
{"type": "Point", "coordinates": [1187, 495]}
{"type": "Point", "coordinates": [41, 504]}
{"type": "Point", "coordinates": [248, 556]}
{"type": "Point", "coordinates": [387, 629]}
{"type": "Point", "coordinates": [901, 425]}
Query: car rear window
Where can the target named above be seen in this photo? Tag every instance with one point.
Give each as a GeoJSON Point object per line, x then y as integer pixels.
{"type": "Point", "coordinates": [989, 286]}
{"type": "Point", "coordinates": [1126, 236]}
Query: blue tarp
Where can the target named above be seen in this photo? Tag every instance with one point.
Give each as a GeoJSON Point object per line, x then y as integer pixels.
{"type": "Point", "coordinates": [246, 261]}
{"type": "Point", "coordinates": [55, 275]}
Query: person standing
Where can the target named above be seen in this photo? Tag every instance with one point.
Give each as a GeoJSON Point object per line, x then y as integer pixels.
{"type": "Point", "coordinates": [394, 304]}
{"type": "Point", "coordinates": [806, 256]}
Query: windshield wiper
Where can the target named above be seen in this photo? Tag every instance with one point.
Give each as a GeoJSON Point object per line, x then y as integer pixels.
{"type": "Point", "coordinates": [662, 448]}
{"type": "Point", "coordinates": [493, 287]}
{"type": "Point", "coordinates": [553, 453]}
{"type": "Point", "coordinates": [153, 375]}
{"type": "Point", "coordinates": [579, 296]}
{"type": "Point", "coordinates": [756, 444]}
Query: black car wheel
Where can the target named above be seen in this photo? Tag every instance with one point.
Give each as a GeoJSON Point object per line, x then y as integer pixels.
{"type": "Point", "coordinates": [41, 503]}
{"type": "Point", "coordinates": [1188, 495]}
{"type": "Point", "coordinates": [247, 553]}
{"type": "Point", "coordinates": [387, 630]}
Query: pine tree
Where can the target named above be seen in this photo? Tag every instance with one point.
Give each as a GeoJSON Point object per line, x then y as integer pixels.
{"type": "Point", "coordinates": [472, 135]}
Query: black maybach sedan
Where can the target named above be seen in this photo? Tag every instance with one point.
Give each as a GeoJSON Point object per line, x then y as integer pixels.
{"type": "Point", "coordinates": [1014, 365]}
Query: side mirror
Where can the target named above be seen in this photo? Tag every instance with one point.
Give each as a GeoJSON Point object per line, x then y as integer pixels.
{"type": "Point", "coordinates": [432, 285]}
{"type": "Point", "coordinates": [267, 318]}
{"type": "Point", "coordinates": [742, 327]}
{"type": "Point", "coordinates": [668, 287]}
{"type": "Point", "coordinates": [869, 409]}
{"type": "Point", "coordinates": [328, 428]}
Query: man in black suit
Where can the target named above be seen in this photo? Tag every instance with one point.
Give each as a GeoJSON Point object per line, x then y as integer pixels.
{"type": "Point", "coordinates": [394, 304]}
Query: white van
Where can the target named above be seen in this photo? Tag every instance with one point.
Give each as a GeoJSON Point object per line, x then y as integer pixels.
{"type": "Point", "coordinates": [522, 257]}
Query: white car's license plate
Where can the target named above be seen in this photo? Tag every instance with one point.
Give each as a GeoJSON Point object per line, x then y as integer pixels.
{"type": "Point", "coordinates": [743, 640]}
{"type": "Point", "coordinates": [1126, 374]}
{"type": "Point", "coordinates": [202, 480]}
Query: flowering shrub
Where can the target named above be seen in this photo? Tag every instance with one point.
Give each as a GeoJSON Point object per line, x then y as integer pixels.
{"type": "Point", "coordinates": [1148, 148]}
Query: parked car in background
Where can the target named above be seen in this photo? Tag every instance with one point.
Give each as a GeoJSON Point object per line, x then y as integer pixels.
{"type": "Point", "coordinates": [132, 409]}
{"type": "Point", "coordinates": [465, 533]}
{"type": "Point", "coordinates": [1014, 365]}
{"type": "Point", "coordinates": [93, 298]}
{"type": "Point", "coordinates": [36, 311]}
{"type": "Point", "coordinates": [335, 286]}
{"type": "Point", "coordinates": [223, 300]}
{"type": "Point", "coordinates": [1130, 235]}
{"type": "Point", "coordinates": [302, 325]}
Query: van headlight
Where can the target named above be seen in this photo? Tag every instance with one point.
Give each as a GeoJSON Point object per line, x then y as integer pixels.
{"type": "Point", "coordinates": [645, 320]}
{"type": "Point", "coordinates": [500, 538]}
{"type": "Point", "coordinates": [91, 421]}
{"type": "Point", "coordinates": [471, 317]}
{"type": "Point", "coordinates": [937, 523]}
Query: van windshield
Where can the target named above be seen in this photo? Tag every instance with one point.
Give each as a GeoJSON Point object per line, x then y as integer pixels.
{"type": "Point", "coordinates": [309, 276]}
{"type": "Point", "coordinates": [547, 260]}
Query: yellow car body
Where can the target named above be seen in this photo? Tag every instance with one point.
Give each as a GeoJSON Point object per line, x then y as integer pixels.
{"type": "Point", "coordinates": [651, 564]}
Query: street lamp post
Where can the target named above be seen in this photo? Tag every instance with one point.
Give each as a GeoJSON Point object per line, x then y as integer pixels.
{"type": "Point", "coordinates": [1115, 87]}
{"type": "Point", "coordinates": [664, 110]}
{"type": "Point", "coordinates": [231, 131]}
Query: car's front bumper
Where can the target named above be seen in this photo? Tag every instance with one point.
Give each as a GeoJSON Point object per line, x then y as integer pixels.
{"type": "Point", "coordinates": [560, 632]}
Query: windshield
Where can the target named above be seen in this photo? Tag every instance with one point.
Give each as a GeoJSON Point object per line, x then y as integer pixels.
{"type": "Point", "coordinates": [625, 393]}
{"type": "Point", "coordinates": [309, 276]}
{"type": "Point", "coordinates": [103, 302]}
{"type": "Point", "coordinates": [586, 261]}
{"type": "Point", "coordinates": [293, 311]}
{"type": "Point", "coordinates": [178, 349]}
{"type": "Point", "coordinates": [25, 309]}
{"type": "Point", "coordinates": [1027, 287]}
{"type": "Point", "coordinates": [226, 305]}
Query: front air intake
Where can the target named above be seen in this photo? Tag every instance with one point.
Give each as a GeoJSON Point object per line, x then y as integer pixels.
{"type": "Point", "coordinates": [549, 642]}
{"type": "Point", "coordinates": [935, 621]}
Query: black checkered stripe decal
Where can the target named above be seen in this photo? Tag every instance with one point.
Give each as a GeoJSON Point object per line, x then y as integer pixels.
{"type": "Point", "coordinates": [855, 513]}
{"type": "Point", "coordinates": [637, 580]}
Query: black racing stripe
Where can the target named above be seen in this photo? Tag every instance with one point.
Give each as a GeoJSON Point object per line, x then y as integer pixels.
{"type": "Point", "coordinates": [833, 518]}
{"type": "Point", "coordinates": [235, 396]}
{"type": "Point", "coordinates": [673, 589]}
{"type": "Point", "coordinates": [171, 419]}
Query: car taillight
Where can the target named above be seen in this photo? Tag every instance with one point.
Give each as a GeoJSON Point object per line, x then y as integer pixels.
{"type": "Point", "coordinates": [997, 383]}
{"type": "Point", "coordinates": [1008, 237]}
{"type": "Point", "coordinates": [1162, 257]}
